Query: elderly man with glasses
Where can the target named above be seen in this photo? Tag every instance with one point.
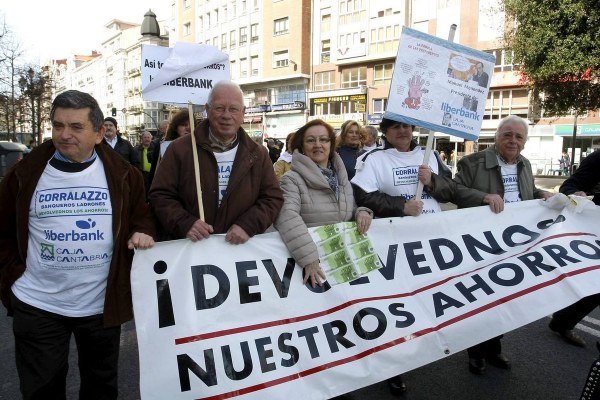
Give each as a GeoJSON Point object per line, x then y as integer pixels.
{"type": "Point", "coordinates": [240, 194]}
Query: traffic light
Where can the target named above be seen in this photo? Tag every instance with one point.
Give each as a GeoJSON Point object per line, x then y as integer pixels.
{"type": "Point", "coordinates": [114, 111]}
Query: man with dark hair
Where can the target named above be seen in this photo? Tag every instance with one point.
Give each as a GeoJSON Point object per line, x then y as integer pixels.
{"type": "Point", "coordinates": [113, 138]}
{"type": "Point", "coordinates": [73, 211]}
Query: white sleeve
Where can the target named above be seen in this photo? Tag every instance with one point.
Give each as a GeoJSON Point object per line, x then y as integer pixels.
{"type": "Point", "coordinates": [366, 176]}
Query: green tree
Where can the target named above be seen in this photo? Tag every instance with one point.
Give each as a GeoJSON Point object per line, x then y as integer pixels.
{"type": "Point", "coordinates": [557, 45]}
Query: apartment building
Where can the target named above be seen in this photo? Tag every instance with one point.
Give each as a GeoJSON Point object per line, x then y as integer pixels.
{"type": "Point", "coordinates": [333, 59]}
{"type": "Point", "coordinates": [268, 43]}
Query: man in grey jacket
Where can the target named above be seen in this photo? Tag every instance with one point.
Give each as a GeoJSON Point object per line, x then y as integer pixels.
{"type": "Point", "coordinates": [496, 176]}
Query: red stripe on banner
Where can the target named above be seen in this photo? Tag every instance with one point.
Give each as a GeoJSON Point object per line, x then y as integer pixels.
{"type": "Point", "coordinates": [263, 325]}
{"type": "Point", "coordinates": [395, 342]}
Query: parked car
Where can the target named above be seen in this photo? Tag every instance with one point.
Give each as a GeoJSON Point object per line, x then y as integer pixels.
{"type": "Point", "coordinates": [10, 154]}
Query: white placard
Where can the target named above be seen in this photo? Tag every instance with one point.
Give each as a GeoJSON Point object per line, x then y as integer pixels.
{"type": "Point", "coordinates": [182, 74]}
{"type": "Point", "coordinates": [436, 85]}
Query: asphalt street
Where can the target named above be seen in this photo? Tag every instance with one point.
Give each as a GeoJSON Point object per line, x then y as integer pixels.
{"type": "Point", "coordinates": [544, 366]}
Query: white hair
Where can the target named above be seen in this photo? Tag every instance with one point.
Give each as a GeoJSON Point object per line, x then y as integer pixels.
{"type": "Point", "coordinates": [512, 118]}
{"type": "Point", "coordinates": [225, 84]}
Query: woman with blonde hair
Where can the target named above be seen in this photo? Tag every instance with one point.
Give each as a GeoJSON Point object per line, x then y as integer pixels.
{"type": "Point", "coordinates": [349, 144]}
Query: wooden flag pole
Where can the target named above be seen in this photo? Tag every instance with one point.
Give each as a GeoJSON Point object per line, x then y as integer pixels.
{"type": "Point", "coordinates": [196, 163]}
{"type": "Point", "coordinates": [429, 145]}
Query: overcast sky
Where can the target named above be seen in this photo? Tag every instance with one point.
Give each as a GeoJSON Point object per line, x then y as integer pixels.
{"type": "Point", "coordinates": [60, 28]}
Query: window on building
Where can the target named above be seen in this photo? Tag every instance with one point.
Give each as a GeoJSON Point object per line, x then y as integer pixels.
{"type": "Point", "coordinates": [326, 22]}
{"type": "Point", "coordinates": [215, 41]}
{"type": "Point", "coordinates": [352, 11]}
{"type": "Point", "coordinates": [354, 77]}
{"type": "Point", "coordinates": [223, 41]}
{"type": "Point", "coordinates": [243, 35]}
{"type": "Point", "coordinates": [187, 3]}
{"type": "Point", "coordinates": [288, 94]}
{"type": "Point", "coordinates": [280, 59]}
{"type": "Point", "coordinates": [233, 69]}
{"type": "Point", "coordinates": [504, 60]}
{"type": "Point", "coordinates": [254, 65]}
{"type": "Point", "coordinates": [324, 80]}
{"type": "Point", "coordinates": [216, 13]}
{"type": "Point", "coordinates": [243, 6]}
{"type": "Point", "coordinates": [384, 13]}
{"type": "Point", "coordinates": [232, 39]}
{"type": "Point", "coordinates": [379, 106]}
{"type": "Point", "coordinates": [253, 33]}
{"type": "Point", "coordinates": [281, 26]}
{"type": "Point", "coordinates": [325, 51]}
{"type": "Point", "coordinates": [382, 73]}
{"type": "Point", "coordinates": [233, 8]}
{"type": "Point", "coordinates": [200, 24]}
{"type": "Point", "coordinates": [243, 67]}
{"type": "Point", "coordinates": [384, 39]}
{"type": "Point", "coordinates": [501, 103]}
{"type": "Point", "coordinates": [187, 29]}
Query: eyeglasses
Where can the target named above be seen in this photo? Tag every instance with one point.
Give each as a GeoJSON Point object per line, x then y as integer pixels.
{"type": "Point", "coordinates": [312, 140]}
{"type": "Point", "coordinates": [222, 109]}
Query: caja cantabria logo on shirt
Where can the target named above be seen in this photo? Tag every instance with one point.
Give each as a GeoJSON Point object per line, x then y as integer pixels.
{"type": "Point", "coordinates": [86, 233]}
{"type": "Point", "coordinates": [47, 251]}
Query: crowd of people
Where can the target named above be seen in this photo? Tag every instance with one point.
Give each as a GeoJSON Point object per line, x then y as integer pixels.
{"type": "Point", "coordinates": [149, 194]}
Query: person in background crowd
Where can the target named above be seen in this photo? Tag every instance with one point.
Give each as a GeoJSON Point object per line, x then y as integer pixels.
{"type": "Point", "coordinates": [162, 130]}
{"type": "Point", "coordinates": [371, 134]}
{"type": "Point", "coordinates": [145, 150]}
{"type": "Point", "coordinates": [495, 176]}
{"type": "Point", "coordinates": [443, 156]}
{"type": "Point", "coordinates": [179, 126]}
{"type": "Point", "coordinates": [564, 163]}
{"type": "Point", "coordinates": [284, 163]}
{"type": "Point", "coordinates": [376, 187]}
{"type": "Point", "coordinates": [32, 144]}
{"type": "Point", "coordinates": [316, 192]}
{"type": "Point", "coordinates": [122, 146]}
{"type": "Point", "coordinates": [53, 298]}
{"type": "Point", "coordinates": [240, 194]}
{"type": "Point", "coordinates": [585, 180]}
{"type": "Point", "coordinates": [348, 145]}
{"type": "Point", "coordinates": [274, 150]}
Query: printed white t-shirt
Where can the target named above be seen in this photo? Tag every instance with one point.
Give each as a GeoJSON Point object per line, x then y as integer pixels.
{"type": "Point", "coordinates": [70, 243]}
{"type": "Point", "coordinates": [510, 180]}
{"type": "Point", "coordinates": [395, 173]}
{"type": "Point", "coordinates": [224, 166]}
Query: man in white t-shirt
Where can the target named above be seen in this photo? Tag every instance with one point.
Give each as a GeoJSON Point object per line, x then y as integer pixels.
{"type": "Point", "coordinates": [495, 176]}
{"type": "Point", "coordinates": [72, 213]}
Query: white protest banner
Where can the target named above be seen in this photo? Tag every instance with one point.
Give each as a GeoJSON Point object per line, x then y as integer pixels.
{"type": "Point", "coordinates": [218, 321]}
{"type": "Point", "coordinates": [184, 73]}
{"type": "Point", "coordinates": [439, 85]}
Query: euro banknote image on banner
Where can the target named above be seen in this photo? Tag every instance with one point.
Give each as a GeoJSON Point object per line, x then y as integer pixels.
{"type": "Point", "coordinates": [221, 321]}
{"type": "Point", "coordinates": [345, 254]}
{"type": "Point", "coordinates": [439, 85]}
{"type": "Point", "coordinates": [184, 73]}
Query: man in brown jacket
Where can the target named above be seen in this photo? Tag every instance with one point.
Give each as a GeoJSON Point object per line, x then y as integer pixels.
{"type": "Point", "coordinates": [72, 213]}
{"type": "Point", "coordinates": [240, 194]}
